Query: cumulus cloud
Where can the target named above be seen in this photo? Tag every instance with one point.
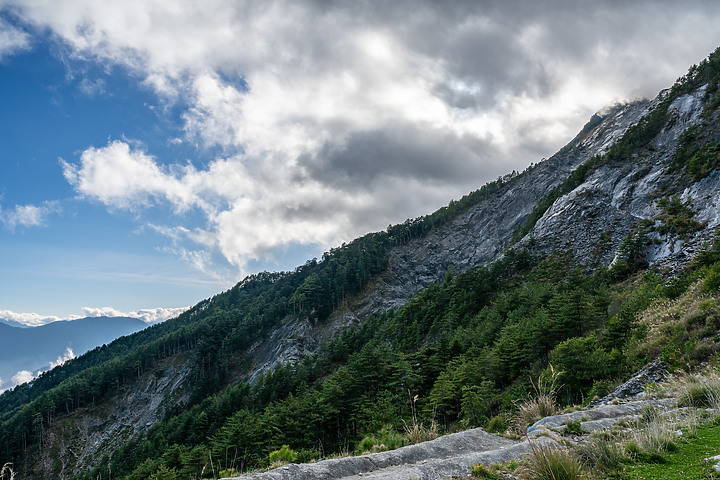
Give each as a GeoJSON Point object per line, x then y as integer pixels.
{"type": "Point", "coordinates": [23, 376]}
{"type": "Point", "coordinates": [123, 178]}
{"type": "Point", "coordinates": [28, 215]}
{"type": "Point", "coordinates": [337, 118]}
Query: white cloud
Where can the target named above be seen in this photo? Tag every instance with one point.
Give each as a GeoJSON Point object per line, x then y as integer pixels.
{"type": "Point", "coordinates": [28, 215]}
{"type": "Point", "coordinates": [339, 118]}
{"type": "Point", "coordinates": [12, 39]}
{"type": "Point", "coordinates": [147, 314]}
{"type": "Point", "coordinates": [92, 88]}
{"type": "Point", "coordinates": [29, 319]}
{"type": "Point", "coordinates": [123, 178]}
{"type": "Point", "coordinates": [69, 355]}
{"type": "Point", "coordinates": [23, 376]}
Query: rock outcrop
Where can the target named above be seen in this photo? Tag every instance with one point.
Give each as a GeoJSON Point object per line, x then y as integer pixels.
{"type": "Point", "coordinates": [655, 372]}
{"type": "Point", "coordinates": [455, 454]}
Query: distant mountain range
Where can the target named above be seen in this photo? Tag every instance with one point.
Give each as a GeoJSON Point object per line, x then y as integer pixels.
{"type": "Point", "coordinates": [12, 323]}
{"type": "Point", "coordinates": [35, 349]}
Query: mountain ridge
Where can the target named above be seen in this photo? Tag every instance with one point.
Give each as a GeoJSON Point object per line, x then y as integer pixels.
{"type": "Point", "coordinates": [424, 303]}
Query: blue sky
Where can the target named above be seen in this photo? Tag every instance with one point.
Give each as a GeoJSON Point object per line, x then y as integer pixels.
{"type": "Point", "coordinates": [153, 153]}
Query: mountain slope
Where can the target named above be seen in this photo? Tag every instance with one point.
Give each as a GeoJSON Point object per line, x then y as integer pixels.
{"type": "Point", "coordinates": [423, 250]}
{"type": "Point", "coordinates": [455, 307]}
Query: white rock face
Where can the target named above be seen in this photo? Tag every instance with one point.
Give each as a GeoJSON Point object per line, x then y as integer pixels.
{"type": "Point", "coordinates": [481, 234]}
{"type": "Point", "coordinates": [618, 195]}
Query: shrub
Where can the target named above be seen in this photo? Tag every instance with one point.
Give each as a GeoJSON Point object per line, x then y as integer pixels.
{"type": "Point", "coordinates": [497, 424]}
{"type": "Point", "coordinates": [386, 439]}
{"type": "Point", "coordinates": [165, 473]}
{"type": "Point", "coordinates": [228, 473]}
{"type": "Point", "coordinates": [307, 455]}
{"type": "Point", "coordinates": [704, 161]}
{"type": "Point", "coordinates": [284, 455]}
{"type": "Point", "coordinates": [481, 471]}
{"type": "Point", "coordinates": [677, 217]}
{"type": "Point", "coordinates": [574, 428]}
{"type": "Point", "coordinates": [711, 284]}
{"type": "Point", "coordinates": [584, 362]}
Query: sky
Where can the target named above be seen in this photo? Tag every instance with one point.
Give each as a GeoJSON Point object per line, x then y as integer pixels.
{"type": "Point", "coordinates": [155, 152]}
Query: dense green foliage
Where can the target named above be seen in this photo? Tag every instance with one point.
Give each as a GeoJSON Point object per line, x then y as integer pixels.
{"type": "Point", "coordinates": [210, 333]}
{"type": "Point", "coordinates": [696, 154]}
{"type": "Point", "coordinates": [467, 348]}
{"type": "Point", "coordinates": [698, 150]}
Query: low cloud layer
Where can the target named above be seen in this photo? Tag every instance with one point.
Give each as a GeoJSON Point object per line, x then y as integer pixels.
{"type": "Point", "coordinates": [29, 319]}
{"type": "Point", "coordinates": [25, 376]}
{"type": "Point", "coordinates": [66, 356]}
{"type": "Point", "coordinates": [333, 119]}
{"type": "Point", "coordinates": [149, 315]}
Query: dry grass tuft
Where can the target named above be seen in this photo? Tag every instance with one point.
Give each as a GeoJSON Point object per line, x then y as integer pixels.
{"type": "Point", "coordinates": [540, 406]}
{"type": "Point", "coordinates": [533, 410]}
{"type": "Point", "coordinates": [699, 391]}
{"type": "Point", "coordinates": [664, 318]}
{"type": "Point", "coordinates": [553, 464]}
{"type": "Point", "coordinates": [602, 453]}
{"type": "Point", "coordinates": [417, 432]}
